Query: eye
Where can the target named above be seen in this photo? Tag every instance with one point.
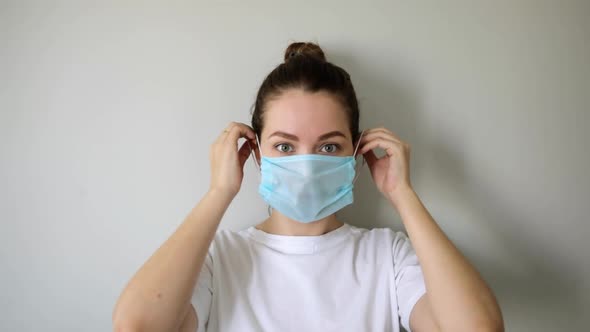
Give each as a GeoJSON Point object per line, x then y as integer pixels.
{"type": "Point", "coordinates": [284, 148]}
{"type": "Point", "coordinates": [329, 148]}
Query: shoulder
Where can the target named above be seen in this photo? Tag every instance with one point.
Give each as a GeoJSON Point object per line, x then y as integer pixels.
{"type": "Point", "coordinates": [380, 244]}
{"type": "Point", "coordinates": [228, 238]}
{"type": "Point", "coordinates": [384, 236]}
{"type": "Point", "coordinates": [392, 247]}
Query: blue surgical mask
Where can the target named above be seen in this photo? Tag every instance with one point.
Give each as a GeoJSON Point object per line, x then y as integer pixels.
{"type": "Point", "coordinates": [307, 187]}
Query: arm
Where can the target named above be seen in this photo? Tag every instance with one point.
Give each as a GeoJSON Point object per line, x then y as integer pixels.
{"type": "Point", "coordinates": [157, 298]}
{"type": "Point", "coordinates": [457, 298]}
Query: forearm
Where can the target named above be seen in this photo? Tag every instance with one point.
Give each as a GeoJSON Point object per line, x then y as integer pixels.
{"type": "Point", "coordinates": [459, 297]}
{"type": "Point", "coordinates": [158, 294]}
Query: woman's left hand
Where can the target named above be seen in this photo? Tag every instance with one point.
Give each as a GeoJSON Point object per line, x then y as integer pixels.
{"type": "Point", "coordinates": [391, 172]}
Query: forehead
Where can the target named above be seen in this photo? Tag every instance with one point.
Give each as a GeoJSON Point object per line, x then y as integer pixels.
{"type": "Point", "coordinates": [305, 114]}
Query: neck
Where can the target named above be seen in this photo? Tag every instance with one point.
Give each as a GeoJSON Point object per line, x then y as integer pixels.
{"type": "Point", "coordinates": [281, 225]}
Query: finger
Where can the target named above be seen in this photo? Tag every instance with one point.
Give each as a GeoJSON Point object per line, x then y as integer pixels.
{"type": "Point", "coordinates": [380, 134]}
{"type": "Point", "coordinates": [220, 138]}
{"type": "Point", "coordinates": [244, 153]}
{"type": "Point", "coordinates": [239, 130]}
{"type": "Point", "coordinates": [383, 131]}
{"type": "Point", "coordinates": [370, 157]}
{"type": "Point", "coordinates": [380, 129]}
{"type": "Point", "coordinates": [387, 145]}
{"type": "Point", "coordinates": [224, 133]}
{"type": "Point", "coordinates": [229, 126]}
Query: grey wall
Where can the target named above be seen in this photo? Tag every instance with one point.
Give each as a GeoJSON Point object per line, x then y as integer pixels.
{"type": "Point", "coordinates": [107, 112]}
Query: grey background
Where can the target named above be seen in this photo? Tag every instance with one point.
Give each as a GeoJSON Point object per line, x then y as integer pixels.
{"type": "Point", "coordinates": [107, 112]}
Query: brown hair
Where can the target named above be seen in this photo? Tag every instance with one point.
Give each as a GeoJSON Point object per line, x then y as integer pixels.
{"type": "Point", "coordinates": [306, 67]}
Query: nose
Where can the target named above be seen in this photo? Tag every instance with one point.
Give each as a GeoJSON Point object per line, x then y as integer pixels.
{"type": "Point", "coordinates": [305, 150]}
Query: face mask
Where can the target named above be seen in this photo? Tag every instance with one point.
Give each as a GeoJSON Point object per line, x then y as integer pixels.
{"type": "Point", "coordinates": [307, 187]}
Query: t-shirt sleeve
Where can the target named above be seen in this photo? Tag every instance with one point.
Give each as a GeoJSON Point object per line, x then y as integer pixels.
{"type": "Point", "coordinates": [409, 279]}
{"type": "Point", "coordinates": [203, 292]}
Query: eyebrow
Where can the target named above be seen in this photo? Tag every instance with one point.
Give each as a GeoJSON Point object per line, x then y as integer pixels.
{"type": "Point", "coordinates": [331, 134]}
{"type": "Point", "coordinates": [284, 135]}
{"type": "Point", "coordinates": [296, 139]}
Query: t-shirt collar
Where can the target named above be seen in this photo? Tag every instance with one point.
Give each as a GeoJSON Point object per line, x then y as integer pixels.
{"type": "Point", "coordinates": [299, 244]}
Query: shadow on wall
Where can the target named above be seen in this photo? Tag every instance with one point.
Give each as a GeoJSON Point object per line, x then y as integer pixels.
{"type": "Point", "coordinates": [533, 293]}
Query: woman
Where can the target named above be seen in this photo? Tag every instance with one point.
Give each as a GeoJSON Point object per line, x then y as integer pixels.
{"type": "Point", "coordinates": [302, 269]}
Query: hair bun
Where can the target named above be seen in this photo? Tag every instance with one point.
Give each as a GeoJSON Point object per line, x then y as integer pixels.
{"type": "Point", "coordinates": [309, 49]}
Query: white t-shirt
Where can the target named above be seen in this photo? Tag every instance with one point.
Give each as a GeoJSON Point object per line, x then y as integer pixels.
{"type": "Point", "coordinates": [349, 279]}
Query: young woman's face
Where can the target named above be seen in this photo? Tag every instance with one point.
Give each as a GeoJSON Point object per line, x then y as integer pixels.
{"type": "Point", "coordinates": [300, 122]}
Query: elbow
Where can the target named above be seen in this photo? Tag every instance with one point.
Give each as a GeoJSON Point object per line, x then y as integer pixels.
{"type": "Point", "coordinates": [481, 324]}
{"type": "Point", "coordinates": [490, 328]}
{"type": "Point", "coordinates": [124, 322]}
{"type": "Point", "coordinates": [495, 322]}
{"type": "Point", "coordinates": [489, 325]}
{"type": "Point", "coordinates": [482, 327]}
{"type": "Point", "coordinates": [496, 326]}
{"type": "Point", "coordinates": [489, 320]}
{"type": "Point", "coordinates": [136, 319]}
{"type": "Point", "coordinates": [118, 327]}
{"type": "Point", "coordinates": [124, 325]}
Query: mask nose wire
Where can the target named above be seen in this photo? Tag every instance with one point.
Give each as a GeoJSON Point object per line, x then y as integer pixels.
{"type": "Point", "coordinates": [357, 172]}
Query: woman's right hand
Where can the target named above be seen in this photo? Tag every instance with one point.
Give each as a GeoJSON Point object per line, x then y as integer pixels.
{"type": "Point", "coordinates": [227, 161]}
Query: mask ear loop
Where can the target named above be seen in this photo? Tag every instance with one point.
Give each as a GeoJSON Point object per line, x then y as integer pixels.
{"type": "Point", "coordinates": [357, 172]}
{"type": "Point", "coordinates": [268, 209]}
{"type": "Point", "coordinates": [254, 154]}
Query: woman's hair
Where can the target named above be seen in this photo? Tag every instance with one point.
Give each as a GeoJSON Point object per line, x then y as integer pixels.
{"type": "Point", "coordinates": [306, 68]}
